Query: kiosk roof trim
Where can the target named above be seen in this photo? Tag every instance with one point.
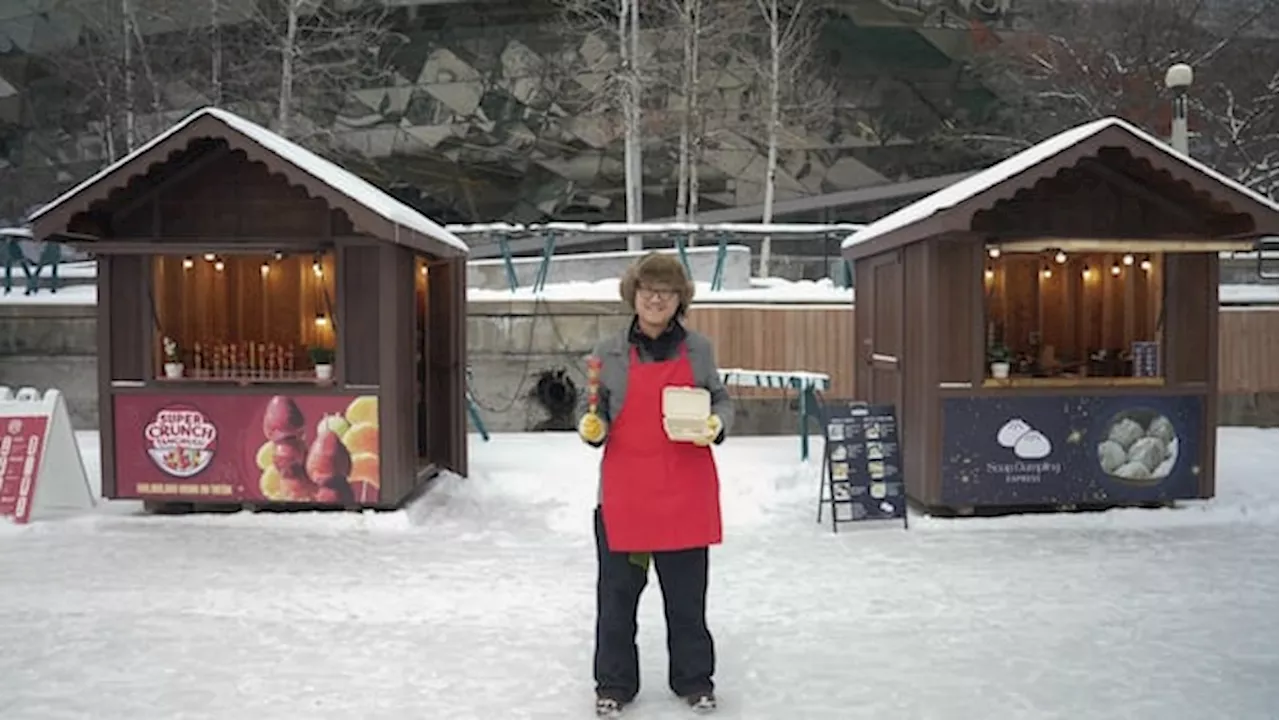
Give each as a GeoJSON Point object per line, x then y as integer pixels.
{"type": "Point", "coordinates": [901, 223]}
{"type": "Point", "coordinates": [347, 191]}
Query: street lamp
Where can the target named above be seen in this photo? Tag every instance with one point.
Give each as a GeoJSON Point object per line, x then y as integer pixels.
{"type": "Point", "coordinates": [1178, 79]}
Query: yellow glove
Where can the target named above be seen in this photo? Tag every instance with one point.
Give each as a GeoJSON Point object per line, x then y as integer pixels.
{"type": "Point", "coordinates": [592, 429]}
{"type": "Point", "coordinates": [714, 428]}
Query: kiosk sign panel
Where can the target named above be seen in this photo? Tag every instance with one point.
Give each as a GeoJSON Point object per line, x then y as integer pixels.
{"type": "Point", "coordinates": [1071, 449]}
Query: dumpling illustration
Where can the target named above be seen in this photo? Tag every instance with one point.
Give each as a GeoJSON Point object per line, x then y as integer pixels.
{"type": "Point", "coordinates": [1125, 432]}
{"type": "Point", "coordinates": [1032, 445]}
{"type": "Point", "coordinates": [1163, 429]}
{"type": "Point", "coordinates": [1149, 451]}
{"type": "Point", "coordinates": [1111, 455]}
{"type": "Point", "coordinates": [1009, 433]}
{"type": "Point", "coordinates": [1133, 471]}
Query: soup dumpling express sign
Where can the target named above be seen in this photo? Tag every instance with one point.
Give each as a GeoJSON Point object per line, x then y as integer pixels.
{"type": "Point", "coordinates": [1070, 449]}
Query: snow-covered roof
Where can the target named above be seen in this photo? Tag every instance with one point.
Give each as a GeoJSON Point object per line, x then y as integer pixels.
{"type": "Point", "coordinates": [1011, 167]}
{"type": "Point", "coordinates": [345, 182]}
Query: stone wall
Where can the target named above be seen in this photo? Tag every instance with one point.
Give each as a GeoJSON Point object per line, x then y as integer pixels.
{"type": "Point", "coordinates": [46, 346]}
{"type": "Point", "coordinates": [526, 359]}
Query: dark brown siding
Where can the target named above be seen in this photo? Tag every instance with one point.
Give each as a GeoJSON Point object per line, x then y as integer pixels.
{"type": "Point", "coordinates": [446, 373]}
{"type": "Point", "coordinates": [396, 400]}
{"type": "Point", "coordinates": [361, 348]}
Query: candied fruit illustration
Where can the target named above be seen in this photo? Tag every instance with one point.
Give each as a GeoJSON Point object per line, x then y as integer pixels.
{"type": "Point", "coordinates": [271, 485]}
{"type": "Point", "coordinates": [266, 454]}
{"type": "Point", "coordinates": [364, 492]}
{"type": "Point", "coordinates": [364, 468]}
{"type": "Point", "coordinates": [328, 459]}
{"type": "Point", "coordinates": [282, 419]}
{"type": "Point", "coordinates": [363, 409]}
{"type": "Point", "coordinates": [289, 456]}
{"type": "Point", "coordinates": [362, 438]}
{"type": "Point", "coordinates": [336, 423]}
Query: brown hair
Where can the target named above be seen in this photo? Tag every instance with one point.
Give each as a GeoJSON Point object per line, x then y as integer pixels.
{"type": "Point", "coordinates": [657, 268]}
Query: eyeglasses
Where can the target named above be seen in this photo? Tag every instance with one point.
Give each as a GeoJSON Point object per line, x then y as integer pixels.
{"type": "Point", "coordinates": [662, 294]}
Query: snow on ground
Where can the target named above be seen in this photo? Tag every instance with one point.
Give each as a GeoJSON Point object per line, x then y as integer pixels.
{"type": "Point", "coordinates": [477, 601]}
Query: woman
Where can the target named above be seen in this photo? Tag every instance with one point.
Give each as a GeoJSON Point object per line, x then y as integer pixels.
{"type": "Point", "coordinates": [658, 498]}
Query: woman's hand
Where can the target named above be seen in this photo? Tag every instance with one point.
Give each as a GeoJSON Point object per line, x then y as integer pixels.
{"type": "Point", "coordinates": [715, 426]}
{"type": "Point", "coordinates": [592, 429]}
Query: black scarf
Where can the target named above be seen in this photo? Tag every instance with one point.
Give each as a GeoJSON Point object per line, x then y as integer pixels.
{"type": "Point", "coordinates": [660, 349]}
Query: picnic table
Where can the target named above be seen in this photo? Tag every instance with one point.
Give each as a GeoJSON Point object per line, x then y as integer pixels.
{"type": "Point", "coordinates": [807, 385]}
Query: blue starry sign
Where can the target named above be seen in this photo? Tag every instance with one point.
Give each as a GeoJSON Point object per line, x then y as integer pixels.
{"type": "Point", "coordinates": [862, 465]}
{"type": "Point", "coordinates": [1071, 449]}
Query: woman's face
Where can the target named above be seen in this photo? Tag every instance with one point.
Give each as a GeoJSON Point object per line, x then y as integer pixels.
{"type": "Point", "coordinates": [656, 304]}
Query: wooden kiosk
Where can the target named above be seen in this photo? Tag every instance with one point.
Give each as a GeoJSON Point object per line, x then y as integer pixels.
{"type": "Point", "coordinates": [1048, 327]}
{"type": "Point", "coordinates": [272, 329]}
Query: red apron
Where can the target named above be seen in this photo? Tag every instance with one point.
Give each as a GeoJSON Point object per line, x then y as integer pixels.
{"type": "Point", "coordinates": [657, 494]}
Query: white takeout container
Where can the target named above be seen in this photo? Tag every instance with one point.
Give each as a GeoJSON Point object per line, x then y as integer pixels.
{"type": "Point", "coordinates": [684, 412]}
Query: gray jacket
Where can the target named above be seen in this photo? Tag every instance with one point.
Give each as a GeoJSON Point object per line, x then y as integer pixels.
{"type": "Point", "coordinates": [615, 355]}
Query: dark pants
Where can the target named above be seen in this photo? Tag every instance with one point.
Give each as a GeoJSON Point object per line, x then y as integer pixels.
{"type": "Point", "coordinates": [691, 653]}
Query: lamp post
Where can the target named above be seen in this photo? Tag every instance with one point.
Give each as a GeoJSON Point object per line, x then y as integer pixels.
{"type": "Point", "coordinates": [1178, 79]}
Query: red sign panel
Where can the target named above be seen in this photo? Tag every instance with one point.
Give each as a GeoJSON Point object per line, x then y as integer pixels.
{"type": "Point", "coordinates": [20, 449]}
{"type": "Point", "coordinates": [319, 449]}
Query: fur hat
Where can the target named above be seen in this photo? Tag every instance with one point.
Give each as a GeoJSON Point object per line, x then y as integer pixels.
{"type": "Point", "coordinates": [660, 269]}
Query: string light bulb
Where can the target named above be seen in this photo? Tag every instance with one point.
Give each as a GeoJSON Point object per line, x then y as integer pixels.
{"type": "Point", "coordinates": [1127, 259]}
{"type": "Point", "coordinates": [1046, 273]}
{"type": "Point", "coordinates": [321, 320]}
{"type": "Point", "coordinates": [219, 265]}
{"type": "Point", "coordinates": [188, 263]}
{"type": "Point", "coordinates": [1145, 264]}
{"type": "Point", "coordinates": [993, 252]}
{"type": "Point", "coordinates": [317, 269]}
{"type": "Point", "coordinates": [1115, 269]}
{"type": "Point", "coordinates": [278, 255]}
{"type": "Point", "coordinates": [424, 271]}
{"type": "Point", "coordinates": [265, 269]}
{"type": "Point", "coordinates": [989, 273]}
{"type": "Point", "coordinates": [1060, 258]}
{"type": "Point", "coordinates": [1087, 272]}
{"type": "Point", "coordinates": [210, 257]}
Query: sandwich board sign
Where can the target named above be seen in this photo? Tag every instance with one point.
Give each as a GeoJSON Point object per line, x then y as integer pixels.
{"type": "Point", "coordinates": [41, 471]}
{"type": "Point", "coordinates": [862, 465]}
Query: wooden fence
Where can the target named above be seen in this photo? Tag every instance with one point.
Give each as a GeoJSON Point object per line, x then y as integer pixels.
{"type": "Point", "coordinates": [821, 339]}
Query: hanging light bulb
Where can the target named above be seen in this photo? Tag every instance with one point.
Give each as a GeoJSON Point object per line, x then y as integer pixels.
{"type": "Point", "coordinates": [265, 269]}
{"type": "Point", "coordinates": [317, 269]}
{"type": "Point", "coordinates": [321, 320]}
{"type": "Point", "coordinates": [210, 257]}
{"type": "Point", "coordinates": [993, 252]}
{"type": "Point", "coordinates": [219, 265]}
{"type": "Point", "coordinates": [1127, 259]}
{"type": "Point", "coordinates": [188, 263]}
{"type": "Point", "coordinates": [424, 271]}
{"type": "Point", "coordinates": [989, 273]}
{"type": "Point", "coordinates": [1115, 269]}
{"type": "Point", "coordinates": [1060, 258]}
{"type": "Point", "coordinates": [1046, 273]}
{"type": "Point", "coordinates": [1087, 272]}
{"type": "Point", "coordinates": [278, 255]}
{"type": "Point", "coordinates": [1145, 264]}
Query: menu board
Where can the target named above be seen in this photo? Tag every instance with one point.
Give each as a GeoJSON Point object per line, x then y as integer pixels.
{"type": "Point", "coordinates": [20, 453]}
{"type": "Point", "coordinates": [863, 463]}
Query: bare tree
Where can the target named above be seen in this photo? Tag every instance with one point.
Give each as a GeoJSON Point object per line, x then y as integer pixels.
{"type": "Point", "coordinates": [1097, 59]}
{"type": "Point", "coordinates": [323, 50]}
{"type": "Point", "coordinates": [790, 26]}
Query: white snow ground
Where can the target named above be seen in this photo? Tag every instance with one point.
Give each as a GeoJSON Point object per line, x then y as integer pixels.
{"type": "Point", "coordinates": [477, 603]}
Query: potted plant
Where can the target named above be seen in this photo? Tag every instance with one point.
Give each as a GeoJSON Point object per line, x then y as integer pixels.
{"type": "Point", "coordinates": [172, 358]}
{"type": "Point", "coordinates": [322, 359]}
{"type": "Point", "coordinates": [998, 356]}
